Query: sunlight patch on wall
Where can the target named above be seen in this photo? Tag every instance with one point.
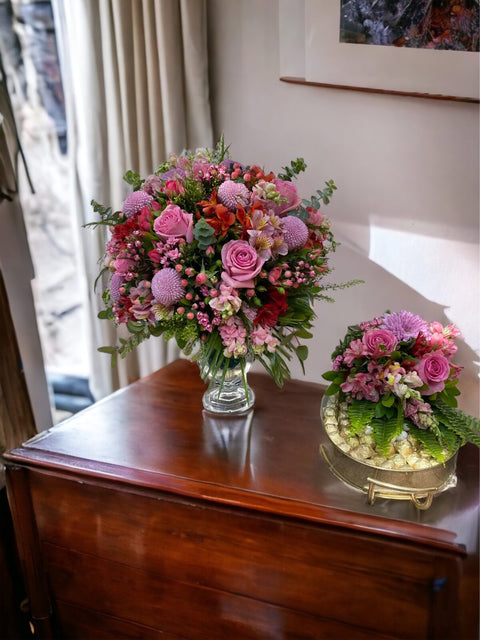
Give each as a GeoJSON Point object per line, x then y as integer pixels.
{"type": "Point", "coordinates": [443, 270]}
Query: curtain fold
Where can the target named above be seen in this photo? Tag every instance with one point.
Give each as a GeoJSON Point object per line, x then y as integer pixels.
{"type": "Point", "coordinates": [135, 77]}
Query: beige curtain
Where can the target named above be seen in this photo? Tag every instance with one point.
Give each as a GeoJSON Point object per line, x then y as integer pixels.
{"type": "Point", "coordinates": [136, 84]}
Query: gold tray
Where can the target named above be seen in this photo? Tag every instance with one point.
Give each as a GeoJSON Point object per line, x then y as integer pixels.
{"type": "Point", "coordinates": [418, 485]}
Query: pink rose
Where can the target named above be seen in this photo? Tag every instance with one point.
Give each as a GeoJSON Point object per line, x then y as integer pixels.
{"type": "Point", "coordinates": [173, 222]}
{"type": "Point", "coordinates": [379, 342]}
{"type": "Point", "coordinates": [289, 198]}
{"type": "Point", "coordinates": [241, 264]}
{"type": "Point", "coordinates": [433, 370]}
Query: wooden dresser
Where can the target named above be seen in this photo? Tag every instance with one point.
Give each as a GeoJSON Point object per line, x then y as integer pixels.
{"type": "Point", "coordinates": [143, 517]}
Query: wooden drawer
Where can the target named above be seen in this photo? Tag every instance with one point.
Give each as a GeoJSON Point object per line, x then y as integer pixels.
{"type": "Point", "coordinates": [251, 572]}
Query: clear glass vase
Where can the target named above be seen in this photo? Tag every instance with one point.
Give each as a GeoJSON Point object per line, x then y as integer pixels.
{"type": "Point", "coordinates": [228, 390]}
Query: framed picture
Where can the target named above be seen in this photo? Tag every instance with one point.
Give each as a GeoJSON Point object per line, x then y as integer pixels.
{"type": "Point", "coordinates": [376, 51]}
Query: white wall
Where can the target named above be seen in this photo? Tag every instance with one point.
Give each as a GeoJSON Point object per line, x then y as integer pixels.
{"type": "Point", "coordinates": [407, 208]}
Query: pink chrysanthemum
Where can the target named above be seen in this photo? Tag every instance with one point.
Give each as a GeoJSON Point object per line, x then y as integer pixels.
{"type": "Point", "coordinates": [295, 232]}
{"type": "Point", "coordinates": [404, 325]}
{"type": "Point", "coordinates": [115, 284]}
{"type": "Point", "coordinates": [167, 287]}
{"type": "Point", "coordinates": [231, 194]}
{"type": "Point", "coordinates": [136, 201]}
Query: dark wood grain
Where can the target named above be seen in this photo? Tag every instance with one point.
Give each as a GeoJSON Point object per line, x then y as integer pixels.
{"type": "Point", "coordinates": [392, 92]}
{"type": "Point", "coordinates": [149, 513]}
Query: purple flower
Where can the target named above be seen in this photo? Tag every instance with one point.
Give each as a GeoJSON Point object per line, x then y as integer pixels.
{"type": "Point", "coordinates": [433, 369]}
{"type": "Point", "coordinates": [295, 232]}
{"type": "Point", "coordinates": [135, 202]}
{"type": "Point", "coordinates": [404, 325]}
{"type": "Point", "coordinates": [167, 287]}
{"type": "Point", "coordinates": [115, 283]}
{"type": "Point", "coordinates": [231, 194]}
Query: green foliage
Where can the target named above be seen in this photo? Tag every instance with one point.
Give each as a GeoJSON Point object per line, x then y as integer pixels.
{"type": "Point", "coordinates": [204, 234]}
{"type": "Point", "coordinates": [360, 413]}
{"type": "Point", "coordinates": [429, 440]}
{"type": "Point", "coordinates": [296, 167]}
{"type": "Point", "coordinates": [133, 179]}
{"type": "Point", "coordinates": [385, 430]}
{"type": "Point", "coordinates": [466, 427]}
{"type": "Point", "coordinates": [324, 195]}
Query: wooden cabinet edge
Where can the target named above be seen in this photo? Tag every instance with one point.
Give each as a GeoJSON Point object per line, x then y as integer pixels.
{"type": "Point", "coordinates": [28, 545]}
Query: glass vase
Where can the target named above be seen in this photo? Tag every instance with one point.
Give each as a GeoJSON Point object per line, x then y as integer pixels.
{"type": "Point", "coordinates": [228, 391]}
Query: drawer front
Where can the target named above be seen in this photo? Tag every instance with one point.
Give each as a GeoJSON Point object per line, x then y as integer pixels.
{"type": "Point", "coordinates": [195, 612]}
{"type": "Point", "coordinates": [76, 623]}
{"type": "Point", "coordinates": [365, 581]}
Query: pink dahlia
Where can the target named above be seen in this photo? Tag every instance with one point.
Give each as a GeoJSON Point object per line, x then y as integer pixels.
{"type": "Point", "coordinates": [167, 287]}
{"type": "Point", "coordinates": [135, 202]}
{"type": "Point", "coordinates": [231, 194]}
{"type": "Point", "coordinates": [295, 232]}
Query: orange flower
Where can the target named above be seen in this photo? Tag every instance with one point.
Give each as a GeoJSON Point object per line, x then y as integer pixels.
{"type": "Point", "coordinates": [217, 216]}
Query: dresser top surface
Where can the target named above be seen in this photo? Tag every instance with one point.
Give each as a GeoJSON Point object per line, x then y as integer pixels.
{"type": "Point", "coordinates": [155, 435]}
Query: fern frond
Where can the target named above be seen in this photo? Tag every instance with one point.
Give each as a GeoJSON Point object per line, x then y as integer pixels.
{"type": "Point", "coordinates": [385, 430]}
{"type": "Point", "coordinates": [360, 413]}
{"type": "Point", "coordinates": [463, 425]}
{"type": "Point", "coordinates": [429, 441]}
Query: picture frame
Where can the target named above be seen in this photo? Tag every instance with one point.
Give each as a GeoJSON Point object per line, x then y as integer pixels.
{"type": "Point", "coordinates": [426, 73]}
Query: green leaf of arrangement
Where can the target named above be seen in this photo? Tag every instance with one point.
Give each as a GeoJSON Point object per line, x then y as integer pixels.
{"type": "Point", "coordinates": [360, 413]}
{"type": "Point", "coordinates": [204, 234]}
{"type": "Point", "coordinates": [296, 167]}
{"type": "Point", "coordinates": [135, 327]}
{"type": "Point", "coordinates": [463, 425]}
{"type": "Point", "coordinates": [133, 179]}
{"type": "Point", "coordinates": [105, 314]}
{"type": "Point", "coordinates": [384, 431]}
{"type": "Point", "coordinates": [332, 389]}
{"type": "Point", "coordinates": [330, 375]}
{"type": "Point", "coordinates": [388, 401]}
{"type": "Point", "coordinates": [429, 441]}
{"type": "Point", "coordinates": [449, 438]}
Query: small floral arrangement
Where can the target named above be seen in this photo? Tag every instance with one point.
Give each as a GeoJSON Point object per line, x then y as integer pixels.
{"type": "Point", "coordinates": [396, 373]}
{"type": "Point", "coordinates": [218, 254]}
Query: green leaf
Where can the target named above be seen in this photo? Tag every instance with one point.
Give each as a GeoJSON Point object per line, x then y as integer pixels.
{"type": "Point", "coordinates": [302, 352]}
{"type": "Point", "coordinates": [204, 234]}
{"type": "Point", "coordinates": [429, 441]}
{"type": "Point", "coordinates": [360, 413]}
{"type": "Point", "coordinates": [388, 401]}
{"type": "Point", "coordinates": [330, 375]}
{"type": "Point", "coordinates": [384, 431]}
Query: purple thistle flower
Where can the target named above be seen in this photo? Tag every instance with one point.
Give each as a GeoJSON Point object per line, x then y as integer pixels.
{"type": "Point", "coordinates": [231, 194]}
{"type": "Point", "coordinates": [295, 232]}
{"type": "Point", "coordinates": [115, 283]}
{"type": "Point", "coordinates": [167, 287]}
{"type": "Point", "coordinates": [136, 201]}
{"type": "Point", "coordinates": [404, 325]}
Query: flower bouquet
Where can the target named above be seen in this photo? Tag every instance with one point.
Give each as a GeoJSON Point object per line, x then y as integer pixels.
{"type": "Point", "coordinates": [397, 385]}
{"type": "Point", "coordinates": [224, 257]}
